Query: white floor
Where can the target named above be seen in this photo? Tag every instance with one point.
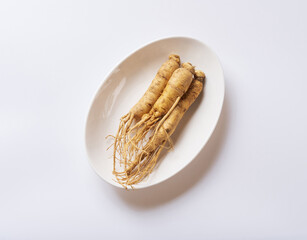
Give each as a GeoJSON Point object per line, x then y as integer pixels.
{"type": "Point", "coordinates": [248, 183]}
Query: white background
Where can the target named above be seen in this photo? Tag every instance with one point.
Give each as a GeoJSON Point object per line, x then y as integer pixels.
{"type": "Point", "coordinates": [248, 183]}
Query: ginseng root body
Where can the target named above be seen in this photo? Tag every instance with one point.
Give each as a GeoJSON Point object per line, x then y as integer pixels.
{"type": "Point", "coordinates": [177, 85]}
{"type": "Point", "coordinates": [146, 159]}
{"type": "Point", "coordinates": [143, 106]}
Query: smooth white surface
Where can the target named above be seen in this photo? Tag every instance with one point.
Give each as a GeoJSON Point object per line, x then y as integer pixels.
{"type": "Point", "coordinates": [126, 84]}
{"type": "Point", "coordinates": [248, 183]}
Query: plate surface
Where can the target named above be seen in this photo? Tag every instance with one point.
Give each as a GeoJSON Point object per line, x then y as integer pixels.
{"type": "Point", "coordinates": [125, 85]}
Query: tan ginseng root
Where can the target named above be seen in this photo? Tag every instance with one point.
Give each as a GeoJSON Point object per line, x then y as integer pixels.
{"type": "Point", "coordinates": [145, 162]}
{"type": "Point", "coordinates": [177, 85]}
{"type": "Point", "coordinates": [143, 106]}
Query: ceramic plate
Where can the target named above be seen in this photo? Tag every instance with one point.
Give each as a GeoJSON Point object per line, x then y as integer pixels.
{"type": "Point", "coordinates": [125, 85]}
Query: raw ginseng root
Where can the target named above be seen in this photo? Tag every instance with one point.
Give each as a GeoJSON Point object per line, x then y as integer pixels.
{"type": "Point", "coordinates": [143, 106]}
{"type": "Point", "coordinates": [144, 162]}
{"type": "Point", "coordinates": [177, 85]}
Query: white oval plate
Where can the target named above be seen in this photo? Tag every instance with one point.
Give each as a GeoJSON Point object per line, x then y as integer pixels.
{"type": "Point", "coordinates": [125, 85]}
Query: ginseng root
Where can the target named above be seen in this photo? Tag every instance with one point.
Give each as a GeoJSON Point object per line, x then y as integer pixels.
{"type": "Point", "coordinates": [177, 85]}
{"type": "Point", "coordinates": [174, 90]}
{"type": "Point", "coordinates": [143, 106]}
{"type": "Point", "coordinates": [145, 161]}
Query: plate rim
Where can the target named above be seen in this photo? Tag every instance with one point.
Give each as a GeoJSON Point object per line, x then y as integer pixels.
{"type": "Point", "coordinates": [136, 187]}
